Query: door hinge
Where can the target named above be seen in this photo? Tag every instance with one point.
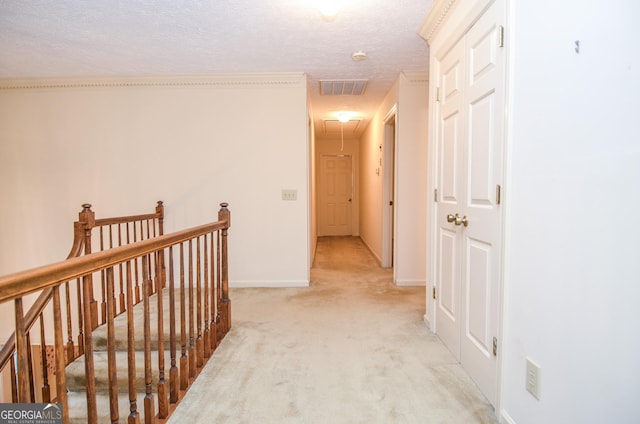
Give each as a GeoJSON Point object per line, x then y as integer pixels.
{"type": "Point", "coordinates": [434, 292]}
{"type": "Point", "coordinates": [495, 346]}
{"type": "Point", "coordinates": [435, 195]}
{"type": "Point", "coordinates": [500, 36]}
{"type": "Point", "coordinates": [498, 194]}
{"type": "Point", "coordinates": [437, 94]}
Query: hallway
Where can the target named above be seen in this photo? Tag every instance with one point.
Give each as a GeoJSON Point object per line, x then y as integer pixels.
{"type": "Point", "coordinates": [352, 348]}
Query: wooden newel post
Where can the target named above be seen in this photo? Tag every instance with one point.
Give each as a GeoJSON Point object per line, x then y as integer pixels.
{"type": "Point", "coordinates": [87, 219]}
{"type": "Point", "coordinates": [225, 215]}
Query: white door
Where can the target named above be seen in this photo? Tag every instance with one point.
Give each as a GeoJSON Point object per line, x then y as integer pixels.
{"type": "Point", "coordinates": [450, 169]}
{"type": "Point", "coordinates": [472, 108]}
{"type": "Point", "coordinates": [336, 191]}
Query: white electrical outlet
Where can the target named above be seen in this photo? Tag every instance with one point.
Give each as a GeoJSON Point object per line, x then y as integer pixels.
{"type": "Point", "coordinates": [533, 378]}
{"type": "Point", "coordinates": [289, 194]}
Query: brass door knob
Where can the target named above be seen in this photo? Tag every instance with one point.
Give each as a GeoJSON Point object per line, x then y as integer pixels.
{"type": "Point", "coordinates": [461, 221]}
{"type": "Point", "coordinates": [451, 218]}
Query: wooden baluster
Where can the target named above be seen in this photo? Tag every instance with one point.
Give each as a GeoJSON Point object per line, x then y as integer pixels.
{"type": "Point", "coordinates": [206, 338]}
{"type": "Point", "coordinates": [192, 338]}
{"type": "Point", "coordinates": [111, 349]}
{"type": "Point", "coordinates": [149, 413]}
{"type": "Point", "coordinates": [184, 359]}
{"type": "Point", "coordinates": [14, 380]}
{"type": "Point", "coordinates": [163, 406]}
{"type": "Point", "coordinates": [46, 390]}
{"type": "Point", "coordinates": [219, 326]}
{"type": "Point", "coordinates": [103, 285]}
{"type": "Point", "coordinates": [135, 263]}
{"type": "Point", "coordinates": [70, 352]}
{"type": "Point", "coordinates": [160, 220]}
{"type": "Point", "coordinates": [32, 393]}
{"type": "Point", "coordinates": [173, 371]}
{"type": "Point", "coordinates": [213, 338]}
{"type": "Point", "coordinates": [61, 379]}
{"type": "Point", "coordinates": [123, 300]}
{"type": "Point", "coordinates": [89, 370]}
{"type": "Point", "coordinates": [80, 318]}
{"type": "Point", "coordinates": [22, 355]}
{"type": "Point", "coordinates": [134, 416]}
{"type": "Point", "coordinates": [199, 345]}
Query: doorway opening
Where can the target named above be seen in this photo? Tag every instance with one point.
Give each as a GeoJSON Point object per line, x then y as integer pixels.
{"type": "Point", "coordinates": [388, 196]}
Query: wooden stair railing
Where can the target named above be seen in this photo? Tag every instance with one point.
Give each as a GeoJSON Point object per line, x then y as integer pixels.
{"type": "Point", "coordinates": [133, 227]}
{"type": "Point", "coordinates": [199, 278]}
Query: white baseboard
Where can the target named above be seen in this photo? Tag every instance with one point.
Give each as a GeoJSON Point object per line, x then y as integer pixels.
{"type": "Point", "coordinates": [411, 283]}
{"type": "Point", "coordinates": [426, 321]}
{"type": "Point", "coordinates": [267, 284]}
{"type": "Point", "coordinates": [371, 250]}
{"type": "Point", "coordinates": [505, 418]}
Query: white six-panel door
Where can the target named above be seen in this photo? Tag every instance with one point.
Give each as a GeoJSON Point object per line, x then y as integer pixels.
{"type": "Point", "coordinates": [470, 151]}
{"type": "Point", "coordinates": [336, 191]}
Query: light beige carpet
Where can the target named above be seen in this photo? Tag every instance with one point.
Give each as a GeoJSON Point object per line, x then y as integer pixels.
{"type": "Point", "coordinates": [352, 348]}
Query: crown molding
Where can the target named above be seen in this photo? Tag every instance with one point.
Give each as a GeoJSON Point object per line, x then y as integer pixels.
{"type": "Point", "coordinates": [416, 77]}
{"type": "Point", "coordinates": [436, 17]}
{"type": "Point", "coordinates": [216, 80]}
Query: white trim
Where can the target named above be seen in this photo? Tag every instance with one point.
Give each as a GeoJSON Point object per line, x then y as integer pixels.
{"type": "Point", "coordinates": [436, 17]}
{"type": "Point", "coordinates": [217, 80]}
{"type": "Point", "coordinates": [417, 78]}
{"type": "Point", "coordinates": [268, 284]}
{"type": "Point", "coordinates": [505, 418]}
{"type": "Point", "coordinates": [372, 251]}
{"type": "Point", "coordinates": [411, 283]}
{"type": "Point", "coordinates": [388, 188]}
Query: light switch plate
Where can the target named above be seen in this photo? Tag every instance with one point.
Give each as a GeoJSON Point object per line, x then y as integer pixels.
{"type": "Point", "coordinates": [288, 194]}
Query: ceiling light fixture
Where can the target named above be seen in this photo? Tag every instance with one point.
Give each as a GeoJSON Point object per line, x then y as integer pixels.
{"type": "Point", "coordinates": [329, 8]}
{"type": "Point", "coordinates": [359, 56]}
{"type": "Point", "coordinates": [344, 117]}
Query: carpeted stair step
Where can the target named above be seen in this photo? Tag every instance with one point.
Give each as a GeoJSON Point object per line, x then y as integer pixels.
{"type": "Point", "coordinates": [120, 325]}
{"type": "Point", "coordinates": [78, 407]}
{"type": "Point", "coordinates": [76, 378]}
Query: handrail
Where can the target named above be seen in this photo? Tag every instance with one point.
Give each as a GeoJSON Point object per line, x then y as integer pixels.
{"type": "Point", "coordinates": [207, 284]}
{"type": "Point", "coordinates": [22, 283]}
{"type": "Point", "coordinates": [87, 222]}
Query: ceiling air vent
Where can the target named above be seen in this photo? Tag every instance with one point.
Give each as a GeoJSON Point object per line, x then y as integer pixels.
{"type": "Point", "coordinates": [343, 87]}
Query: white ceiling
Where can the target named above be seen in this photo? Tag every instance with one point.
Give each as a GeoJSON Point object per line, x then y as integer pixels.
{"type": "Point", "coordinates": [67, 38]}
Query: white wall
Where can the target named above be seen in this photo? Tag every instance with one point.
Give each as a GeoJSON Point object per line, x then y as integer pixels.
{"type": "Point", "coordinates": [191, 142]}
{"type": "Point", "coordinates": [409, 95]}
{"type": "Point", "coordinates": [411, 180]}
{"type": "Point", "coordinates": [573, 266]}
{"type": "Point", "coordinates": [371, 183]}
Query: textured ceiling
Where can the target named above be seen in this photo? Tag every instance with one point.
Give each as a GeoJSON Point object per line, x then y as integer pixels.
{"type": "Point", "coordinates": [66, 38]}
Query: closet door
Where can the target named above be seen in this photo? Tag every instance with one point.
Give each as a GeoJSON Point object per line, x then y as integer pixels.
{"type": "Point", "coordinates": [450, 144]}
{"type": "Point", "coordinates": [470, 142]}
{"type": "Point", "coordinates": [481, 247]}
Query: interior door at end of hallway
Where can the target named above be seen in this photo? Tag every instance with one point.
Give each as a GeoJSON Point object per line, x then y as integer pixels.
{"type": "Point", "coordinates": [336, 195]}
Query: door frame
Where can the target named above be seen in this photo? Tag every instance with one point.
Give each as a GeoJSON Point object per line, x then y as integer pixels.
{"type": "Point", "coordinates": [388, 165]}
{"type": "Point", "coordinates": [447, 22]}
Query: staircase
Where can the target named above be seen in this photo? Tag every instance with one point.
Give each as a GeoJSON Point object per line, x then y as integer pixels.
{"type": "Point", "coordinates": [75, 371]}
